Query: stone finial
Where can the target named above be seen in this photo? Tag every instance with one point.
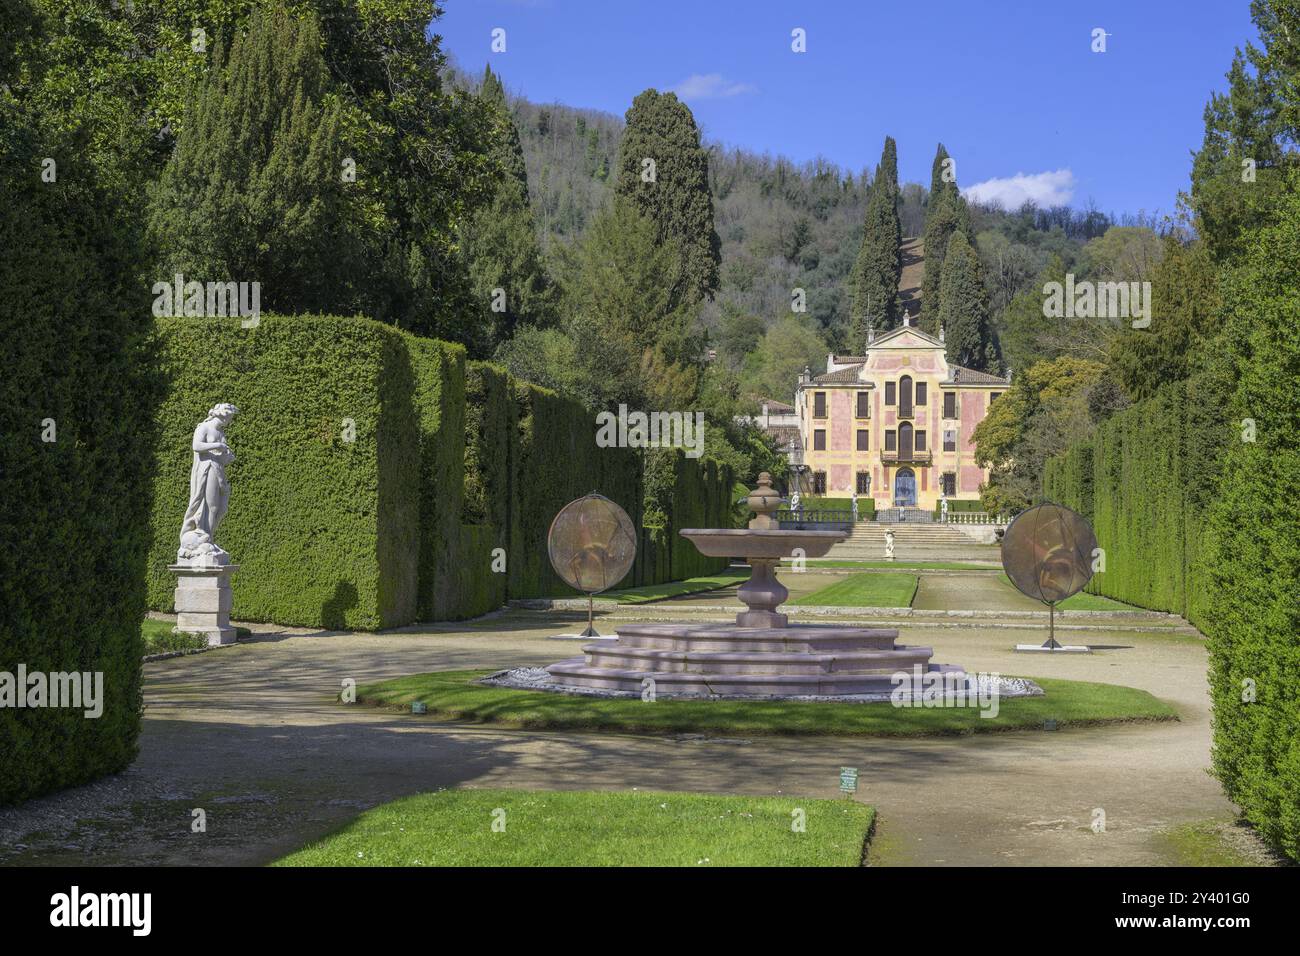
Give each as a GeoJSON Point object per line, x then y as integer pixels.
{"type": "Point", "coordinates": [764, 500]}
{"type": "Point", "coordinates": [871, 332]}
{"type": "Point", "coordinates": [941, 338]}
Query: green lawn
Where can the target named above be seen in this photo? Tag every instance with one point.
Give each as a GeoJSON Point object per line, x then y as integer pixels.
{"type": "Point", "coordinates": [453, 695]}
{"type": "Point", "coordinates": [585, 828]}
{"type": "Point", "coordinates": [159, 637]}
{"type": "Point", "coordinates": [657, 592]}
{"type": "Point", "coordinates": [894, 565]}
{"type": "Point", "coordinates": [1083, 601]}
{"type": "Point", "coordinates": [864, 590]}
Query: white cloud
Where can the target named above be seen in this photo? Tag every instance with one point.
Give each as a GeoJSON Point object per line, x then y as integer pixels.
{"type": "Point", "coordinates": [710, 86]}
{"type": "Point", "coordinates": [1042, 189]}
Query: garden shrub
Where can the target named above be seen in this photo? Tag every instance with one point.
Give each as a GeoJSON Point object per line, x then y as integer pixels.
{"type": "Point", "coordinates": [450, 461]}
{"type": "Point", "coordinates": [1252, 551]}
{"type": "Point", "coordinates": [324, 521]}
{"type": "Point", "coordinates": [76, 401]}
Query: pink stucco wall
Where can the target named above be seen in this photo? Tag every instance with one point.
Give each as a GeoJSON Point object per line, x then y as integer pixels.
{"type": "Point", "coordinates": [841, 421]}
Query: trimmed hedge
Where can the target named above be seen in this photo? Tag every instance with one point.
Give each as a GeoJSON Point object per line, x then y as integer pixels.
{"type": "Point", "coordinates": [450, 462]}
{"type": "Point", "coordinates": [1252, 555]}
{"type": "Point", "coordinates": [1145, 479]}
{"type": "Point", "coordinates": [76, 401]}
{"type": "Point", "coordinates": [322, 524]}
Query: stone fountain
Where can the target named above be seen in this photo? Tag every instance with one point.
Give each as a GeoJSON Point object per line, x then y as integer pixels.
{"type": "Point", "coordinates": [762, 654]}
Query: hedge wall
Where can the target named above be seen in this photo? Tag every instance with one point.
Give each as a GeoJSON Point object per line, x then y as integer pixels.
{"type": "Point", "coordinates": [1145, 480]}
{"type": "Point", "coordinates": [1252, 556]}
{"type": "Point", "coordinates": [322, 522]}
{"type": "Point", "coordinates": [449, 462]}
{"type": "Point", "coordinates": [76, 397]}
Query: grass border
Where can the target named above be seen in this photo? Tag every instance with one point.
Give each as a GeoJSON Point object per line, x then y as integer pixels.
{"type": "Point", "coordinates": [454, 695]}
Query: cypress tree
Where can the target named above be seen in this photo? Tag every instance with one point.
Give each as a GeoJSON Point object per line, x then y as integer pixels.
{"type": "Point", "coordinates": [873, 283]}
{"type": "Point", "coordinates": [964, 308]}
{"type": "Point", "coordinates": [508, 277]}
{"type": "Point", "coordinates": [937, 183]}
{"type": "Point", "coordinates": [664, 171]}
{"type": "Point", "coordinates": [947, 215]}
{"type": "Point", "coordinates": [253, 190]}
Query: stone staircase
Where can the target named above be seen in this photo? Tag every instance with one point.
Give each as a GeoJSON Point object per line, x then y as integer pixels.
{"type": "Point", "coordinates": [916, 541]}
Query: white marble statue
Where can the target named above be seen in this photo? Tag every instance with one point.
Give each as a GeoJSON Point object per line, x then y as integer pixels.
{"type": "Point", "coordinates": [855, 506]}
{"type": "Point", "coordinates": [209, 491]}
{"type": "Point", "coordinates": [943, 507]}
{"type": "Point", "coordinates": [889, 544]}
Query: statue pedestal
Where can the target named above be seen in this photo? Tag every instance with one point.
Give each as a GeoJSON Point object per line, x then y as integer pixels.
{"type": "Point", "coordinates": [203, 601]}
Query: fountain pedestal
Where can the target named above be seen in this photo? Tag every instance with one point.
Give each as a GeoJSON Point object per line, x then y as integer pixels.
{"type": "Point", "coordinates": [760, 655]}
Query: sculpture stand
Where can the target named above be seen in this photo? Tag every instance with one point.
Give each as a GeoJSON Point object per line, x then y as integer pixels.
{"type": "Point", "coordinates": [203, 601]}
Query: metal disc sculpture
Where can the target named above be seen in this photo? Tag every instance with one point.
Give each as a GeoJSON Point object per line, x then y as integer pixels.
{"type": "Point", "coordinates": [591, 544]}
{"type": "Point", "coordinates": [1047, 552]}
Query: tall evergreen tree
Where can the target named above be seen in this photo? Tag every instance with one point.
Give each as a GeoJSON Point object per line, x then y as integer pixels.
{"type": "Point", "coordinates": [873, 283]}
{"type": "Point", "coordinates": [253, 191]}
{"type": "Point", "coordinates": [964, 308]}
{"type": "Point", "coordinates": [507, 274]}
{"type": "Point", "coordinates": [938, 185]}
{"type": "Point", "coordinates": [947, 216]}
{"type": "Point", "coordinates": [664, 171]}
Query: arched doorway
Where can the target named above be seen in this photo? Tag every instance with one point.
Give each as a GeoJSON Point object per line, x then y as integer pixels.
{"type": "Point", "coordinates": [905, 441]}
{"type": "Point", "coordinates": [905, 488]}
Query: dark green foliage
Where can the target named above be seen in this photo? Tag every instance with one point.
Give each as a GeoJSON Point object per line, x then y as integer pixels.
{"type": "Point", "coordinates": [677, 201]}
{"type": "Point", "coordinates": [1252, 604]}
{"type": "Point", "coordinates": [1184, 318]}
{"type": "Point", "coordinates": [874, 279]}
{"type": "Point", "coordinates": [510, 286]}
{"type": "Point", "coordinates": [947, 215]}
{"type": "Point", "coordinates": [450, 462]}
{"type": "Point", "coordinates": [74, 510]}
{"type": "Point", "coordinates": [439, 371]}
{"type": "Point", "coordinates": [325, 530]}
{"type": "Point", "coordinates": [964, 309]}
{"type": "Point", "coordinates": [1144, 479]}
{"type": "Point", "coordinates": [938, 184]}
{"type": "Point", "coordinates": [254, 190]}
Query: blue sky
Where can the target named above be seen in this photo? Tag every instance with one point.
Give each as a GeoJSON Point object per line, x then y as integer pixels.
{"type": "Point", "coordinates": [1019, 91]}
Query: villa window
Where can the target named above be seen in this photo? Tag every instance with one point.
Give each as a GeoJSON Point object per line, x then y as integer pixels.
{"type": "Point", "coordinates": [864, 439]}
{"type": "Point", "coordinates": [890, 391]}
{"type": "Point", "coordinates": [921, 389]}
{"type": "Point", "coordinates": [819, 404]}
{"type": "Point", "coordinates": [891, 440]}
{"type": "Point", "coordinates": [819, 482]}
{"type": "Point", "coordinates": [864, 404]}
{"type": "Point", "coordinates": [920, 441]}
{"type": "Point", "coordinates": [949, 404]}
{"type": "Point", "coordinates": [994, 396]}
{"type": "Point", "coordinates": [950, 439]}
{"type": "Point", "coordinates": [905, 397]}
{"type": "Point", "coordinates": [949, 480]}
{"type": "Point", "coordinates": [819, 439]}
{"type": "Point", "coordinates": [864, 483]}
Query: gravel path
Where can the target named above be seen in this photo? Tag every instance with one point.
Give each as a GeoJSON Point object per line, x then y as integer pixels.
{"type": "Point", "coordinates": [252, 736]}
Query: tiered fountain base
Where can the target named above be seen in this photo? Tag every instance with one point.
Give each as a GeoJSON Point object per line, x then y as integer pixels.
{"type": "Point", "coordinates": [719, 660]}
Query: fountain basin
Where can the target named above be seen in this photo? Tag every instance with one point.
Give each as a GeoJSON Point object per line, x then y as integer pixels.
{"type": "Point", "coordinates": [750, 543]}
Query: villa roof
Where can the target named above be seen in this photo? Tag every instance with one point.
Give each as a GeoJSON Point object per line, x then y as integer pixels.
{"type": "Point", "coordinates": [774, 406]}
{"type": "Point", "coordinates": [839, 376]}
{"type": "Point", "coordinates": [968, 376]}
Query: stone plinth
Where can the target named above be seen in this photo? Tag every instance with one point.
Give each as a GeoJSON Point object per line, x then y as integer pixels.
{"type": "Point", "coordinates": [203, 601]}
{"type": "Point", "coordinates": [723, 660]}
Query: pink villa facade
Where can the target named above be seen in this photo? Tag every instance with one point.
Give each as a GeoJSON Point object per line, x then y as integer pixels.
{"type": "Point", "coordinates": [895, 425]}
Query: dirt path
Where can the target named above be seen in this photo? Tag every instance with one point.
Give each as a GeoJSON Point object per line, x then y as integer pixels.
{"type": "Point", "coordinates": [252, 736]}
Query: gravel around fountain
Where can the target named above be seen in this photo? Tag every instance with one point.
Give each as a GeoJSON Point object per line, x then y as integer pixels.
{"type": "Point", "coordinates": [972, 687]}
